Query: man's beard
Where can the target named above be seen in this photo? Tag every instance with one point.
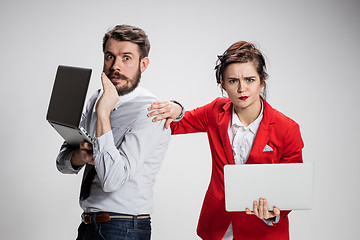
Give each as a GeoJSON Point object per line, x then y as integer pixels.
{"type": "Point", "coordinates": [127, 89]}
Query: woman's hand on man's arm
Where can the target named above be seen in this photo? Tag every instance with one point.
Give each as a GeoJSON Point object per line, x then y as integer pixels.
{"type": "Point", "coordinates": [165, 110]}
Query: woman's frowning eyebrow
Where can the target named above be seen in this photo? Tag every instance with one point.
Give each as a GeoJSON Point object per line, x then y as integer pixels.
{"type": "Point", "coordinates": [246, 77]}
{"type": "Point", "coordinates": [249, 77]}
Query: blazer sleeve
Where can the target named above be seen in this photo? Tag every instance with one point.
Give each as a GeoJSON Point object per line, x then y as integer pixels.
{"type": "Point", "coordinates": [293, 145]}
{"type": "Point", "coordinates": [195, 120]}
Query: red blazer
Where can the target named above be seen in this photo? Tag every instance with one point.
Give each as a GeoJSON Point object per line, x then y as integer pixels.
{"type": "Point", "coordinates": [276, 130]}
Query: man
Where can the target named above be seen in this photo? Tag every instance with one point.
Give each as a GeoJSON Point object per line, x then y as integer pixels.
{"type": "Point", "coordinates": [127, 150]}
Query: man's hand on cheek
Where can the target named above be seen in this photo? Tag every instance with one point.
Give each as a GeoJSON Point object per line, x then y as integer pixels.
{"type": "Point", "coordinates": [109, 98]}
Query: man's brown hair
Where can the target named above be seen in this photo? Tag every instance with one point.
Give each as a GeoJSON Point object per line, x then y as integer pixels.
{"type": "Point", "coordinates": [131, 34]}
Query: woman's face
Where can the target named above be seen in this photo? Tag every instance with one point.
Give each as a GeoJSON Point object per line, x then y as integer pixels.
{"type": "Point", "coordinates": [242, 84]}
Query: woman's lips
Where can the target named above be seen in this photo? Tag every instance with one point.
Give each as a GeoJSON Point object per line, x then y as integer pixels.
{"type": "Point", "coordinates": [243, 98]}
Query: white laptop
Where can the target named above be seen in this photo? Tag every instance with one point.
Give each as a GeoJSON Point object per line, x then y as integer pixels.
{"type": "Point", "coordinates": [286, 186]}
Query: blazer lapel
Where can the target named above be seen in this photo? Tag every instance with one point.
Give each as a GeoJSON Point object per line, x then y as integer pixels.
{"type": "Point", "coordinates": [263, 134]}
{"type": "Point", "coordinates": [224, 119]}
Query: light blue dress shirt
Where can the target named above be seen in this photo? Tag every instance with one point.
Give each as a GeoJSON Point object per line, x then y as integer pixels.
{"type": "Point", "coordinates": [126, 159]}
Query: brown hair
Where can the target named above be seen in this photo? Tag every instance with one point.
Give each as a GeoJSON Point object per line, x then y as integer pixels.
{"type": "Point", "coordinates": [242, 52]}
{"type": "Point", "coordinates": [131, 34]}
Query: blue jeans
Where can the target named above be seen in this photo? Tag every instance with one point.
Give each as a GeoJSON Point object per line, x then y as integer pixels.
{"type": "Point", "coordinates": [116, 229]}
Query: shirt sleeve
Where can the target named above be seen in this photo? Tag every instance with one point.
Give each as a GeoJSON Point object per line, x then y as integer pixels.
{"type": "Point", "coordinates": [272, 221]}
{"type": "Point", "coordinates": [115, 165]}
{"type": "Point", "coordinates": [63, 160]}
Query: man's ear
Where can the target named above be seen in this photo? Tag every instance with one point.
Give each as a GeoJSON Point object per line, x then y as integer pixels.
{"type": "Point", "coordinates": [144, 63]}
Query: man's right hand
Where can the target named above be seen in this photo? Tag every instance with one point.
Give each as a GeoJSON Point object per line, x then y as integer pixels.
{"type": "Point", "coordinates": [109, 98]}
{"type": "Point", "coordinates": [83, 155]}
{"type": "Point", "coordinates": [105, 105]}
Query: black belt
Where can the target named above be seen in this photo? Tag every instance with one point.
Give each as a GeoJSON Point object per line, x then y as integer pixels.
{"type": "Point", "coordinates": [88, 218]}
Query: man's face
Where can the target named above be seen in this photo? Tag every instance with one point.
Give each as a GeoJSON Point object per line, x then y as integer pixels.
{"type": "Point", "coordinates": [122, 65]}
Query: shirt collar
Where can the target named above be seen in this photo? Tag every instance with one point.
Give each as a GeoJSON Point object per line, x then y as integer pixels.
{"type": "Point", "coordinates": [123, 98]}
{"type": "Point", "coordinates": [253, 127]}
{"type": "Point", "coordinates": [129, 96]}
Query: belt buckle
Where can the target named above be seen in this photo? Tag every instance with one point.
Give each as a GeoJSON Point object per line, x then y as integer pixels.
{"type": "Point", "coordinates": [86, 218]}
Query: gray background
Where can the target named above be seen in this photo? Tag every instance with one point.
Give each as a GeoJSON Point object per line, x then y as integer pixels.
{"type": "Point", "coordinates": [312, 49]}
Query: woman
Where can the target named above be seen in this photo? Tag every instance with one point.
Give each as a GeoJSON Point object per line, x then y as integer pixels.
{"type": "Point", "coordinates": [239, 128]}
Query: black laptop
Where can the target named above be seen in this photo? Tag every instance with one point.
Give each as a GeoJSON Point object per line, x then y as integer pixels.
{"type": "Point", "coordinates": [67, 102]}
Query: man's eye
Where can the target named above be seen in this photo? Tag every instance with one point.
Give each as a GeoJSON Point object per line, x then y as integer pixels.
{"type": "Point", "coordinates": [233, 80]}
{"type": "Point", "coordinates": [127, 58]}
{"type": "Point", "coordinates": [250, 79]}
{"type": "Point", "coordinates": [109, 57]}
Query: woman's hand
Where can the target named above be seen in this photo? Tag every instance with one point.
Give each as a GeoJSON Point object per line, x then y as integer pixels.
{"type": "Point", "coordinates": [261, 210]}
{"type": "Point", "coordinates": [165, 109]}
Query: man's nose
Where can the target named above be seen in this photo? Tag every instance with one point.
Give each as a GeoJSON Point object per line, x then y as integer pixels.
{"type": "Point", "coordinates": [117, 66]}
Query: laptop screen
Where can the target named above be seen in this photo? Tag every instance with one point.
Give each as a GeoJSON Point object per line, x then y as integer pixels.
{"type": "Point", "coordinates": [68, 95]}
